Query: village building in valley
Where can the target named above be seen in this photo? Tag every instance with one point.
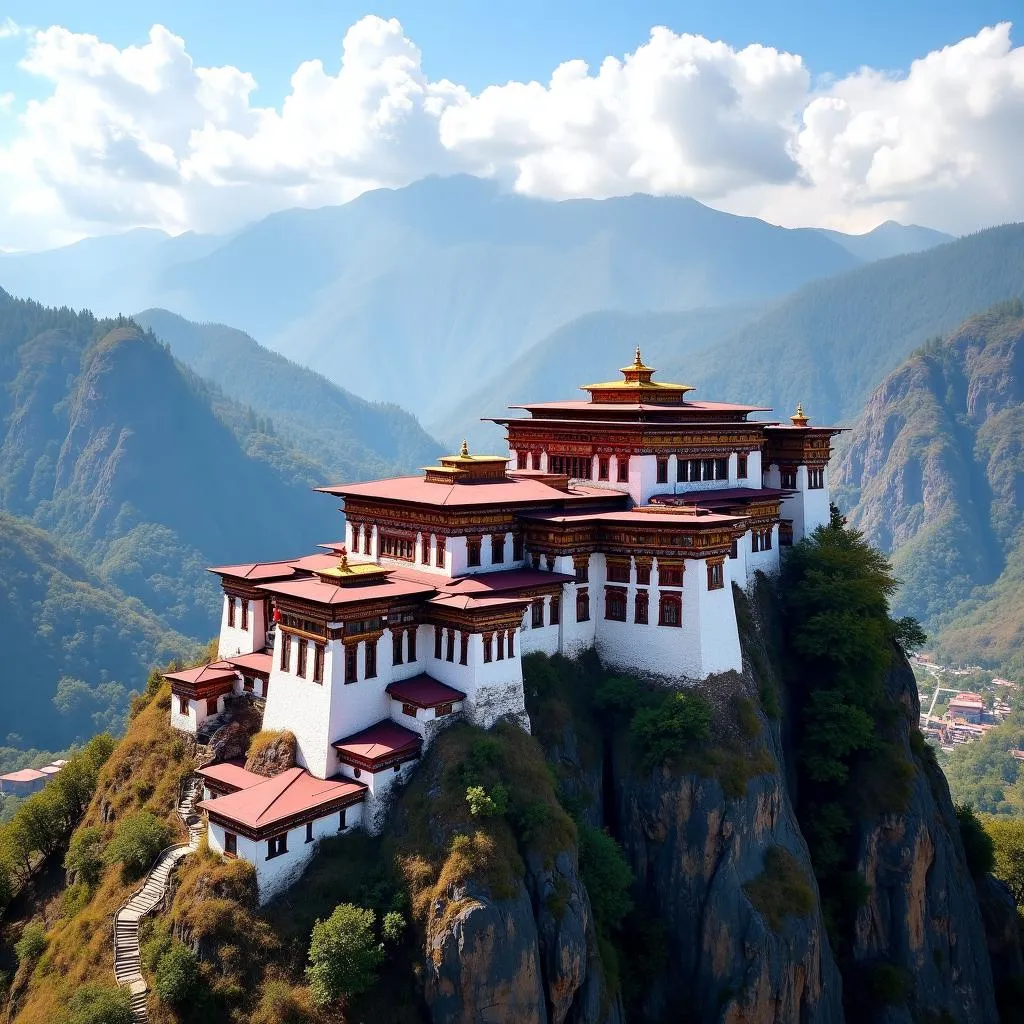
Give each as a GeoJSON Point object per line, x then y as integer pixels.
{"type": "Point", "coordinates": [618, 522]}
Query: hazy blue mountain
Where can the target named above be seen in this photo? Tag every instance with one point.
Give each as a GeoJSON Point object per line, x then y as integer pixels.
{"type": "Point", "coordinates": [418, 295]}
{"type": "Point", "coordinates": [588, 349]}
{"type": "Point", "coordinates": [139, 467]}
{"type": "Point", "coordinates": [832, 341]}
{"type": "Point", "coordinates": [889, 239]}
{"type": "Point", "coordinates": [352, 438]}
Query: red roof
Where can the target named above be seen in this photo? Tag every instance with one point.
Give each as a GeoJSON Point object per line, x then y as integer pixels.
{"type": "Point", "coordinates": [214, 672]}
{"type": "Point", "coordinates": [23, 775]}
{"type": "Point", "coordinates": [580, 405]}
{"type": "Point", "coordinates": [424, 691]}
{"type": "Point", "coordinates": [379, 744]}
{"type": "Point", "coordinates": [273, 801]}
{"type": "Point", "coordinates": [639, 515]}
{"type": "Point", "coordinates": [318, 560]}
{"type": "Point", "coordinates": [968, 699]}
{"type": "Point", "coordinates": [321, 592]}
{"type": "Point", "coordinates": [257, 571]}
{"type": "Point", "coordinates": [470, 601]}
{"type": "Point", "coordinates": [499, 581]}
{"type": "Point", "coordinates": [721, 496]}
{"type": "Point", "coordinates": [231, 774]}
{"type": "Point", "coordinates": [510, 491]}
{"type": "Point", "coordinates": [261, 663]}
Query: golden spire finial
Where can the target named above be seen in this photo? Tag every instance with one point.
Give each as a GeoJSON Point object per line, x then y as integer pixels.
{"type": "Point", "coordinates": [637, 360]}
{"type": "Point", "coordinates": [798, 418]}
{"type": "Point", "coordinates": [464, 450]}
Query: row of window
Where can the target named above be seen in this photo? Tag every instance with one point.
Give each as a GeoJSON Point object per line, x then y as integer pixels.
{"type": "Point", "coordinates": [537, 612]}
{"type": "Point", "coordinates": [670, 607]}
{"type": "Point", "coordinates": [276, 845]}
{"type": "Point", "coordinates": [302, 656]}
{"type": "Point", "coordinates": [815, 478]}
{"type": "Point", "coordinates": [761, 540]}
{"type": "Point", "coordinates": [244, 622]}
{"type": "Point", "coordinates": [403, 548]}
{"type": "Point", "coordinates": [498, 646]}
{"type": "Point", "coordinates": [581, 467]}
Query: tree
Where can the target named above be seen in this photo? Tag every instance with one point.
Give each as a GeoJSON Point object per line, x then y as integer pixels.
{"type": "Point", "coordinates": [344, 954]}
{"type": "Point", "coordinates": [978, 846]}
{"type": "Point", "coordinates": [392, 927]}
{"type": "Point", "coordinates": [100, 1004]}
{"type": "Point", "coordinates": [1007, 835]}
{"type": "Point", "coordinates": [136, 841]}
{"type": "Point", "coordinates": [84, 858]}
{"type": "Point", "coordinates": [30, 946]}
{"type": "Point", "coordinates": [606, 875]}
{"type": "Point", "coordinates": [6, 881]}
{"type": "Point", "coordinates": [177, 975]}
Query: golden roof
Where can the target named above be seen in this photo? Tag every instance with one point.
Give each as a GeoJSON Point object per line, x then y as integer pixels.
{"type": "Point", "coordinates": [352, 572]}
{"type": "Point", "coordinates": [798, 418]}
{"type": "Point", "coordinates": [637, 381]}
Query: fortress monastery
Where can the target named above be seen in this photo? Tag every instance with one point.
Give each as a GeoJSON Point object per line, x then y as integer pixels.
{"type": "Point", "coordinates": [619, 522]}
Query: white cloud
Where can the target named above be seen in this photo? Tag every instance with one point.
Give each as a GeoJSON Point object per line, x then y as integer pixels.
{"type": "Point", "coordinates": [142, 136]}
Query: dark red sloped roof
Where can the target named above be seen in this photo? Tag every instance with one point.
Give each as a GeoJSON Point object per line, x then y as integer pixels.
{"type": "Point", "coordinates": [381, 746]}
{"type": "Point", "coordinates": [259, 663]}
{"type": "Point", "coordinates": [424, 691]}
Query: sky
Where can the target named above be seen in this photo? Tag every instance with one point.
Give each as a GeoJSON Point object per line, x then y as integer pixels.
{"type": "Point", "coordinates": [189, 116]}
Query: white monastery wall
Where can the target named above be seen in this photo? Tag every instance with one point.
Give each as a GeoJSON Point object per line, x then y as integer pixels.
{"type": "Point", "coordinates": [381, 789]}
{"type": "Point", "coordinates": [235, 640]}
{"type": "Point", "coordinates": [718, 638]}
{"type": "Point", "coordinates": [763, 561]}
{"type": "Point", "coordinates": [189, 722]}
{"type": "Point", "coordinates": [816, 503]}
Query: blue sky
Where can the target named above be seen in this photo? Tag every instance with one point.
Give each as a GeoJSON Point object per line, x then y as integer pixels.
{"type": "Point", "coordinates": [479, 43]}
{"type": "Point", "coordinates": [861, 112]}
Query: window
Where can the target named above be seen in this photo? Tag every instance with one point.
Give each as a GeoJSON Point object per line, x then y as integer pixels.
{"type": "Point", "coordinates": [670, 575]}
{"type": "Point", "coordinates": [520, 460]}
{"type": "Point", "coordinates": [410, 710]}
{"type": "Point", "coordinates": [356, 531]}
{"type": "Point", "coordinates": [277, 846]}
{"type": "Point", "coordinates": [741, 467]}
{"type": "Point", "coordinates": [535, 460]}
{"type": "Point", "coordinates": [309, 831]}
{"type": "Point", "coordinates": [472, 550]}
{"type": "Point", "coordinates": [231, 611]}
{"type": "Point", "coordinates": [501, 647]}
{"type": "Point", "coordinates": [682, 469]}
{"type": "Point", "coordinates": [511, 643]}
{"type": "Point", "coordinates": [211, 706]}
{"type": "Point", "coordinates": [615, 604]}
{"type": "Point", "coordinates": [424, 550]}
{"type": "Point", "coordinates": [618, 572]}
{"type": "Point", "coordinates": [464, 649]}
{"type": "Point", "coordinates": [449, 651]}
{"type": "Point", "coordinates": [707, 469]}
{"type": "Point", "coordinates": [183, 705]}
{"type": "Point", "coordinates": [716, 576]}
{"type": "Point", "coordinates": [622, 469]}
{"type": "Point", "coordinates": [582, 605]}
{"type": "Point", "coordinates": [815, 479]}
{"type": "Point", "coordinates": [789, 479]}
{"type": "Point", "coordinates": [439, 552]}
{"type": "Point", "coordinates": [497, 548]}
{"type": "Point", "coordinates": [396, 647]}
{"type": "Point", "coordinates": [438, 640]}
{"type": "Point", "coordinates": [555, 609]}
{"type": "Point", "coordinates": [487, 646]}
{"type": "Point", "coordinates": [442, 709]}
{"type": "Point", "coordinates": [734, 549]}
{"type": "Point", "coordinates": [761, 540]}
{"type": "Point", "coordinates": [286, 651]}
{"type": "Point", "coordinates": [412, 644]}
{"type": "Point", "coordinates": [517, 547]}
{"type": "Point", "coordinates": [535, 560]}
{"type": "Point", "coordinates": [581, 563]}
{"type": "Point", "coordinates": [670, 611]}
{"type": "Point", "coordinates": [662, 465]}
{"type": "Point", "coordinates": [367, 542]}
{"type": "Point", "coordinates": [578, 467]}
{"type": "Point", "coordinates": [245, 615]}
{"type": "Point", "coordinates": [351, 663]}
{"type": "Point", "coordinates": [247, 684]}
{"type": "Point", "coordinates": [721, 469]}
{"type": "Point", "coordinates": [643, 575]}
{"type": "Point", "coordinates": [300, 661]}
{"type": "Point", "coordinates": [602, 467]}
{"type": "Point", "coordinates": [549, 563]}
{"type": "Point", "coordinates": [341, 819]}
{"type": "Point", "coordinates": [371, 659]}
{"type": "Point", "coordinates": [393, 546]}
{"type": "Point", "coordinates": [537, 614]}
{"type": "Point", "coordinates": [695, 468]}
{"type": "Point", "coordinates": [640, 607]}
{"type": "Point", "coordinates": [230, 844]}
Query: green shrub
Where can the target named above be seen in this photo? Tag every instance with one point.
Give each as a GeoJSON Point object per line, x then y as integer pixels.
{"type": "Point", "coordinates": [32, 943]}
{"type": "Point", "coordinates": [392, 927]}
{"type": "Point", "coordinates": [176, 980]}
{"type": "Point", "coordinates": [74, 899]}
{"type": "Point", "coordinates": [978, 846]}
{"type": "Point", "coordinates": [747, 718]}
{"type": "Point", "coordinates": [1007, 835]}
{"type": "Point", "coordinates": [136, 841]}
{"type": "Point", "coordinates": [487, 805]}
{"type": "Point", "coordinates": [619, 697]}
{"type": "Point", "coordinates": [84, 858]}
{"type": "Point", "coordinates": [606, 875]}
{"type": "Point", "coordinates": [781, 889]}
{"type": "Point", "coordinates": [154, 947]}
{"type": "Point", "coordinates": [886, 985]}
{"type": "Point", "coordinates": [678, 722]}
{"type": "Point", "coordinates": [344, 955]}
{"type": "Point", "coordinates": [100, 1004]}
{"type": "Point", "coordinates": [769, 694]}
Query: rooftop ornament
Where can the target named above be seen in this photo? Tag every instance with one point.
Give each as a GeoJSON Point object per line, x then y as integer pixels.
{"type": "Point", "coordinates": [798, 418]}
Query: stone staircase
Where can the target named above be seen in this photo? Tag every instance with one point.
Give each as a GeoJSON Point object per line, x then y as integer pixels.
{"type": "Point", "coordinates": [127, 956]}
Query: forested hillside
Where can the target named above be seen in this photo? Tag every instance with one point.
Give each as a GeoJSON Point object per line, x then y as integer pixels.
{"type": "Point", "coordinates": [351, 438]}
{"type": "Point", "coordinates": [75, 647]}
{"type": "Point", "coordinates": [934, 473]}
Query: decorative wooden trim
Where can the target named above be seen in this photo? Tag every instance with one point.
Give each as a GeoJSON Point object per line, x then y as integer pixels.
{"type": "Point", "coordinates": [258, 835]}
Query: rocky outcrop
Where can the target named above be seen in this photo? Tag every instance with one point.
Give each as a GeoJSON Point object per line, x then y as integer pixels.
{"type": "Point", "coordinates": [272, 754]}
{"type": "Point", "coordinates": [921, 913]}
{"type": "Point", "coordinates": [529, 956]}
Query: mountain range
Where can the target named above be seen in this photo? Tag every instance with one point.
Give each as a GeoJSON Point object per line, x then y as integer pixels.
{"type": "Point", "coordinates": [933, 472]}
{"type": "Point", "coordinates": [451, 278]}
